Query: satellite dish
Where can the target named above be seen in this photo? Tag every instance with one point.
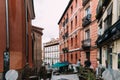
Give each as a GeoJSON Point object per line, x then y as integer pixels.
{"type": "Point", "coordinates": [11, 75]}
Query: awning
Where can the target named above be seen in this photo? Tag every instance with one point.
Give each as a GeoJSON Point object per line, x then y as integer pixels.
{"type": "Point", "coordinates": [60, 64]}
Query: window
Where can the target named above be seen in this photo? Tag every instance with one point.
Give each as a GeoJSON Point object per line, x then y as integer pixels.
{"type": "Point", "coordinates": [67, 57]}
{"type": "Point", "coordinates": [71, 9]}
{"type": "Point", "coordinates": [67, 28]}
{"type": "Point", "coordinates": [76, 2]}
{"type": "Point", "coordinates": [67, 15]}
{"type": "Point", "coordinates": [119, 9]}
{"type": "Point", "coordinates": [67, 43]}
{"type": "Point", "coordinates": [87, 34]}
{"type": "Point", "coordinates": [76, 40]}
{"type": "Point", "coordinates": [71, 25]}
{"type": "Point", "coordinates": [108, 20]}
{"type": "Point", "coordinates": [87, 11]}
{"type": "Point", "coordinates": [75, 20]}
{"type": "Point", "coordinates": [88, 55]}
{"type": "Point", "coordinates": [71, 42]}
{"type": "Point", "coordinates": [100, 29]}
{"type": "Point", "coordinates": [71, 56]}
{"type": "Point", "coordinates": [76, 56]}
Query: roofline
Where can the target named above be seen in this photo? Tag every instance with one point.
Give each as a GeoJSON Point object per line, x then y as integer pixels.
{"type": "Point", "coordinates": [38, 27]}
{"type": "Point", "coordinates": [65, 10]}
{"type": "Point", "coordinates": [30, 4]}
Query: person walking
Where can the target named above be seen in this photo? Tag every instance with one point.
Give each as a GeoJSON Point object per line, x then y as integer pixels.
{"type": "Point", "coordinates": [78, 65]}
{"type": "Point", "coordinates": [78, 62]}
{"type": "Point", "coordinates": [43, 73]}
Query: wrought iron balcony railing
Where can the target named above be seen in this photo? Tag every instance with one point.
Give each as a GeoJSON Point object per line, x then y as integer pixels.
{"type": "Point", "coordinates": [65, 36]}
{"type": "Point", "coordinates": [86, 43]}
{"type": "Point", "coordinates": [65, 22]}
{"type": "Point", "coordinates": [65, 50]}
{"type": "Point", "coordinates": [86, 20]}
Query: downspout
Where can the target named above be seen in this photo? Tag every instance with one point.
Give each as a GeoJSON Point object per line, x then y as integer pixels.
{"type": "Point", "coordinates": [26, 24]}
{"type": "Point", "coordinates": [6, 54]}
{"type": "Point", "coordinates": [7, 26]}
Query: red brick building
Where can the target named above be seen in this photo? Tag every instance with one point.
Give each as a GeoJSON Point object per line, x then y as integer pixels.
{"type": "Point", "coordinates": [78, 32]}
{"type": "Point", "coordinates": [15, 33]}
{"type": "Point", "coordinates": [37, 46]}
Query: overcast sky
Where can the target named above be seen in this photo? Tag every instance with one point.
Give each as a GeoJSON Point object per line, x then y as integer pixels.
{"type": "Point", "coordinates": [48, 13]}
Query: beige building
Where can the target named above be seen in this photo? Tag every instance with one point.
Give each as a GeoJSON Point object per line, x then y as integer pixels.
{"type": "Point", "coordinates": [108, 15]}
{"type": "Point", "coordinates": [51, 51]}
{"type": "Point", "coordinates": [37, 47]}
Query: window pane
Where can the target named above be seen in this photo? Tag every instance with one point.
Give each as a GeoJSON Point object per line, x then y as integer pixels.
{"type": "Point", "coordinates": [87, 33]}
{"type": "Point", "coordinates": [87, 11]}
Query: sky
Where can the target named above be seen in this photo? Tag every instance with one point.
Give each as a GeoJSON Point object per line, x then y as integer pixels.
{"type": "Point", "coordinates": [48, 13]}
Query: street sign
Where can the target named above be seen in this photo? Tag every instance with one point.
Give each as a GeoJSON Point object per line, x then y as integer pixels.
{"type": "Point", "coordinates": [11, 75]}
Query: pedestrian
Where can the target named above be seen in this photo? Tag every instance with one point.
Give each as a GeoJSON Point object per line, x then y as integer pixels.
{"type": "Point", "coordinates": [78, 65]}
{"type": "Point", "coordinates": [43, 73]}
{"type": "Point", "coordinates": [78, 62]}
{"type": "Point", "coordinates": [26, 72]}
{"type": "Point", "coordinates": [87, 63]}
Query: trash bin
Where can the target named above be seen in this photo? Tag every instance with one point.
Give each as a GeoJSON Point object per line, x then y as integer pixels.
{"type": "Point", "coordinates": [33, 77]}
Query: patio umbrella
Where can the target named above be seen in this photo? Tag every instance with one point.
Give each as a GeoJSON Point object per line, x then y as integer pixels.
{"type": "Point", "coordinates": [59, 64]}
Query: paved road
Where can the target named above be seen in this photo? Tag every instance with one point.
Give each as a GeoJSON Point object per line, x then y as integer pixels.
{"type": "Point", "coordinates": [65, 77]}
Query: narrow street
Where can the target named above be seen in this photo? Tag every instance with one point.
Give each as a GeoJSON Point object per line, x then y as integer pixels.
{"type": "Point", "coordinates": [65, 77]}
{"type": "Point", "coordinates": [60, 39]}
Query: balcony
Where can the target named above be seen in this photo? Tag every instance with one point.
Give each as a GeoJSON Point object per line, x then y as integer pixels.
{"type": "Point", "coordinates": [86, 44]}
{"type": "Point", "coordinates": [111, 34]}
{"type": "Point", "coordinates": [65, 22]}
{"type": "Point", "coordinates": [65, 36]}
{"type": "Point", "coordinates": [65, 50]}
{"type": "Point", "coordinates": [86, 20]}
{"type": "Point", "coordinates": [99, 10]}
{"type": "Point", "coordinates": [84, 2]}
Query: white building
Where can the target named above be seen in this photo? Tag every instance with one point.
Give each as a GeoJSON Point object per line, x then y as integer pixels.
{"type": "Point", "coordinates": [51, 51]}
{"type": "Point", "coordinates": [108, 16]}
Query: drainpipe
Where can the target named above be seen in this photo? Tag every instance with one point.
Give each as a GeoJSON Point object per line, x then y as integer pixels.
{"type": "Point", "coordinates": [26, 24]}
{"type": "Point", "coordinates": [7, 26]}
{"type": "Point", "coordinates": [6, 54]}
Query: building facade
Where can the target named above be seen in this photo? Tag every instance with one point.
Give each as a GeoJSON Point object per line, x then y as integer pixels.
{"type": "Point", "coordinates": [15, 35]}
{"type": "Point", "coordinates": [108, 15]}
{"type": "Point", "coordinates": [37, 47]}
{"type": "Point", "coordinates": [51, 51]}
{"type": "Point", "coordinates": [78, 32]}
